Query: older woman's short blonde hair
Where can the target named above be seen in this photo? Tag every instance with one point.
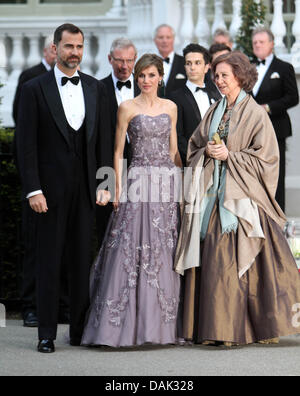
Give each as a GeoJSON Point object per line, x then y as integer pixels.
{"type": "Point", "coordinates": [243, 70]}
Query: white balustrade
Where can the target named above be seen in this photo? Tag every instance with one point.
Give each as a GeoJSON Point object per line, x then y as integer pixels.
{"type": "Point", "coordinates": [296, 29]}
{"type": "Point", "coordinates": [87, 59]}
{"type": "Point", "coordinates": [236, 18]}
{"type": "Point", "coordinates": [34, 56]}
{"type": "Point", "coordinates": [278, 27]}
{"type": "Point", "coordinates": [202, 30]}
{"type": "Point", "coordinates": [187, 25]}
{"type": "Point", "coordinates": [219, 22]}
{"type": "Point", "coordinates": [135, 19]}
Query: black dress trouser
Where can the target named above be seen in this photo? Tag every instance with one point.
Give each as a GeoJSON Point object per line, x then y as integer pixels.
{"type": "Point", "coordinates": [64, 239]}
{"type": "Point", "coordinates": [280, 194]}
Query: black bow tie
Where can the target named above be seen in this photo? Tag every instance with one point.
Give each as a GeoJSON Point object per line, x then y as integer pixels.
{"type": "Point", "coordinates": [258, 62]}
{"type": "Point", "coordinates": [204, 89]}
{"type": "Point", "coordinates": [74, 80]}
{"type": "Point", "coordinates": [121, 84]}
{"type": "Point", "coordinates": [167, 60]}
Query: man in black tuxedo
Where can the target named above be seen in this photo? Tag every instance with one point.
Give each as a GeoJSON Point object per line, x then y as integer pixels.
{"type": "Point", "coordinates": [28, 216]}
{"type": "Point", "coordinates": [120, 86]}
{"type": "Point", "coordinates": [175, 76]}
{"type": "Point", "coordinates": [276, 90]}
{"type": "Point", "coordinates": [62, 140]}
{"type": "Point", "coordinates": [47, 64]}
{"type": "Point", "coordinates": [195, 98]}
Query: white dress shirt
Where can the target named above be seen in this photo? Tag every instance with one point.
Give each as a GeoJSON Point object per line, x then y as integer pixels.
{"type": "Point", "coordinates": [47, 66]}
{"type": "Point", "coordinates": [262, 71]}
{"type": "Point", "coordinates": [72, 99]}
{"type": "Point", "coordinates": [168, 67]}
{"type": "Point", "coordinates": [73, 103]}
{"type": "Point", "coordinates": [201, 97]}
{"type": "Point", "coordinates": [125, 93]}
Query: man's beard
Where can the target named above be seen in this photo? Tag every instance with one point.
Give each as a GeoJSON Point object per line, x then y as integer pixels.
{"type": "Point", "coordinates": [69, 65]}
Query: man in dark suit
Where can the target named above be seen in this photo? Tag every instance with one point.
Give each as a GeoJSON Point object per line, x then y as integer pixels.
{"type": "Point", "coordinates": [62, 140]}
{"type": "Point", "coordinates": [47, 64]}
{"type": "Point", "coordinates": [175, 76]}
{"type": "Point", "coordinates": [120, 86]}
{"type": "Point", "coordinates": [28, 218]}
{"type": "Point", "coordinates": [195, 98]}
{"type": "Point", "coordinates": [276, 90]}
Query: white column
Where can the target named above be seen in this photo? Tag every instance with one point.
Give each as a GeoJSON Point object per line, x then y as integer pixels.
{"type": "Point", "coordinates": [187, 24]}
{"type": "Point", "coordinates": [3, 61]}
{"type": "Point", "coordinates": [202, 30]}
{"type": "Point", "coordinates": [117, 9]}
{"type": "Point", "coordinates": [236, 19]}
{"type": "Point", "coordinates": [219, 22]}
{"type": "Point", "coordinates": [278, 27]}
{"type": "Point", "coordinates": [296, 28]}
{"type": "Point", "coordinates": [34, 56]}
{"type": "Point", "coordinates": [149, 45]}
{"type": "Point", "coordinates": [87, 60]}
{"type": "Point", "coordinates": [17, 57]}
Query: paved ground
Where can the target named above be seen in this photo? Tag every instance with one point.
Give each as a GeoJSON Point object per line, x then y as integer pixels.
{"type": "Point", "coordinates": [18, 357]}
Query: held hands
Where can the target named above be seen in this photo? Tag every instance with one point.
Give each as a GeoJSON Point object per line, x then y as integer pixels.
{"type": "Point", "coordinates": [103, 197]}
{"type": "Point", "coordinates": [217, 151]}
{"type": "Point", "coordinates": [38, 203]}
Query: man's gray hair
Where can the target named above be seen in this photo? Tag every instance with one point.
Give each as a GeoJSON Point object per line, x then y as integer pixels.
{"type": "Point", "coordinates": [122, 43]}
{"type": "Point", "coordinates": [164, 25]}
{"type": "Point", "coordinates": [263, 29]}
{"type": "Point", "coordinates": [222, 32]}
{"type": "Point", "coordinates": [48, 41]}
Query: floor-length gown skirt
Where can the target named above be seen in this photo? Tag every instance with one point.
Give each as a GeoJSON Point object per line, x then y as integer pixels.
{"type": "Point", "coordinates": [218, 306]}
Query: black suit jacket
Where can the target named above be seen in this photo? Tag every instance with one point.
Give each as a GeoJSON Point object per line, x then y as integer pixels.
{"type": "Point", "coordinates": [189, 116]}
{"type": "Point", "coordinates": [280, 94]}
{"type": "Point", "coordinates": [113, 104]}
{"type": "Point", "coordinates": [174, 82]}
{"type": "Point", "coordinates": [25, 76]}
{"type": "Point", "coordinates": [43, 145]}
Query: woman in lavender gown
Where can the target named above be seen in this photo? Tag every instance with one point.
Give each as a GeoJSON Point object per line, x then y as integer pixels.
{"type": "Point", "coordinates": [134, 289]}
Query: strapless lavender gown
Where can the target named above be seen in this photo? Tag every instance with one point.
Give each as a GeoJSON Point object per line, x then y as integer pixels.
{"type": "Point", "coordinates": [134, 289]}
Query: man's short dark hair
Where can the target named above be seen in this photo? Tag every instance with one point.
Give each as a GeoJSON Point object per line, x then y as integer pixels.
{"type": "Point", "coordinates": [196, 48]}
{"type": "Point", "coordinates": [66, 27]}
{"type": "Point", "coordinates": [218, 48]}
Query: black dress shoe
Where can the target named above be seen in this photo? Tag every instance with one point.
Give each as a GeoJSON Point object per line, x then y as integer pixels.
{"type": "Point", "coordinates": [30, 320]}
{"type": "Point", "coordinates": [46, 346]}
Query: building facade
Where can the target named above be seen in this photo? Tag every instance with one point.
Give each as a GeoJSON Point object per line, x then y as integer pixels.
{"type": "Point", "coordinates": [24, 24]}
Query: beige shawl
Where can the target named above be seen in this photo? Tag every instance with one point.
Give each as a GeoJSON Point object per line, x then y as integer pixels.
{"type": "Point", "coordinates": [251, 181]}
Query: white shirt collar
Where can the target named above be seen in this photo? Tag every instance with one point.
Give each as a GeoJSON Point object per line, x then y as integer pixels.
{"type": "Point", "coordinates": [192, 87]}
{"type": "Point", "coordinates": [269, 60]}
{"type": "Point", "coordinates": [47, 66]}
{"type": "Point", "coordinates": [115, 79]}
{"type": "Point", "coordinates": [59, 74]}
{"type": "Point", "coordinates": [171, 57]}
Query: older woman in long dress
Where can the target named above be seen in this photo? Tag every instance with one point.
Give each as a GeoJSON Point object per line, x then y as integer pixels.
{"type": "Point", "coordinates": [241, 281]}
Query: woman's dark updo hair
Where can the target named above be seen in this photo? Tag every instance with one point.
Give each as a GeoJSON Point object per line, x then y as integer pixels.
{"type": "Point", "coordinates": [242, 69]}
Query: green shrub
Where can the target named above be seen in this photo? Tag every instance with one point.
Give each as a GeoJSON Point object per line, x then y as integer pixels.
{"type": "Point", "coordinates": [10, 220]}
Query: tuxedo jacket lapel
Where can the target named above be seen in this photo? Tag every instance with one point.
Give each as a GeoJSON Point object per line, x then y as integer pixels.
{"type": "Point", "coordinates": [90, 99]}
{"type": "Point", "coordinates": [266, 80]}
{"type": "Point", "coordinates": [193, 103]}
{"type": "Point", "coordinates": [52, 96]}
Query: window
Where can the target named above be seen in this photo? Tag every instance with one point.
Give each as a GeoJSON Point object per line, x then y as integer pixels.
{"type": "Point", "coordinates": [13, 2]}
{"type": "Point", "coordinates": [68, 1]}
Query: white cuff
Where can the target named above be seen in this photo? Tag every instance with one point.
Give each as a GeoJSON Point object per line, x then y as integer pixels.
{"type": "Point", "coordinates": [32, 194]}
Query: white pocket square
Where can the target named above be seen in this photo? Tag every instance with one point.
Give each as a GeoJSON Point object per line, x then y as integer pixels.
{"type": "Point", "coordinates": [275, 75]}
{"type": "Point", "coordinates": [180, 77]}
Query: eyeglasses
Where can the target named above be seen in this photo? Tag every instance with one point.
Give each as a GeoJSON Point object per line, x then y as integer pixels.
{"type": "Point", "coordinates": [124, 61]}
